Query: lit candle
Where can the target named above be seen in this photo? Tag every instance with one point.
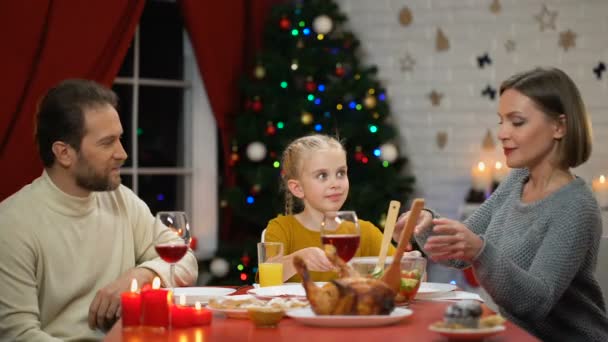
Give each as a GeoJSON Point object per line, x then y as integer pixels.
{"type": "Point", "coordinates": [155, 305]}
{"type": "Point", "coordinates": [600, 188]}
{"type": "Point", "coordinates": [181, 315]}
{"type": "Point", "coordinates": [200, 316]}
{"type": "Point", "coordinates": [481, 177]}
{"type": "Point", "coordinates": [500, 172]}
{"type": "Point", "coordinates": [130, 303]}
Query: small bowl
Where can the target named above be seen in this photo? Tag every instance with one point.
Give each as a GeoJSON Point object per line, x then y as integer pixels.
{"type": "Point", "coordinates": [265, 317]}
{"type": "Point", "coordinates": [413, 269]}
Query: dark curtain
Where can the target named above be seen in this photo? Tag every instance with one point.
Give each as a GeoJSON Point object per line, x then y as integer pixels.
{"type": "Point", "coordinates": [42, 43]}
{"type": "Point", "coordinates": [225, 36]}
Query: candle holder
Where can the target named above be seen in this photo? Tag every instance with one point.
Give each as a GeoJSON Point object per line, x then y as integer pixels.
{"type": "Point", "coordinates": [475, 196]}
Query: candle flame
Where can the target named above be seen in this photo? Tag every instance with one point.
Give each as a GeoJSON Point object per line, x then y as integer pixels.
{"type": "Point", "coordinates": [498, 165]}
{"type": "Point", "coordinates": [197, 305]}
{"type": "Point", "coordinates": [602, 179]}
{"type": "Point", "coordinates": [134, 285]}
{"type": "Point", "coordinates": [481, 166]}
{"type": "Point", "coordinates": [182, 300]}
{"type": "Point", "coordinates": [156, 283]}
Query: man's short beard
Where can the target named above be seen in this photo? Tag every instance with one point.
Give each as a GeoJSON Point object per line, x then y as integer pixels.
{"type": "Point", "coordinates": [88, 179]}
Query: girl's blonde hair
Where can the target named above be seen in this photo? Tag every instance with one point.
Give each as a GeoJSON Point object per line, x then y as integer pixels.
{"type": "Point", "coordinates": [293, 157]}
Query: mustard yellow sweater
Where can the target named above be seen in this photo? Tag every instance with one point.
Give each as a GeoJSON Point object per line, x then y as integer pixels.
{"type": "Point", "coordinates": [294, 236]}
{"type": "Point", "coordinates": [57, 250]}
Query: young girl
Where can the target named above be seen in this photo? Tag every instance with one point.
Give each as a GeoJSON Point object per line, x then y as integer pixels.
{"type": "Point", "coordinates": [315, 175]}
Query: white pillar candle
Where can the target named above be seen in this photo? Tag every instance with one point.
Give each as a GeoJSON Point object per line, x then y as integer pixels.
{"type": "Point", "coordinates": [481, 177]}
{"type": "Point", "coordinates": [600, 188]}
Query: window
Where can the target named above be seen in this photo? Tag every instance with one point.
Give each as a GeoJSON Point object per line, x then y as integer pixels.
{"type": "Point", "coordinates": [169, 130]}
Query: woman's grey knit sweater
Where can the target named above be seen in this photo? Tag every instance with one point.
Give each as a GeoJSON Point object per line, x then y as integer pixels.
{"type": "Point", "coordinates": [538, 259]}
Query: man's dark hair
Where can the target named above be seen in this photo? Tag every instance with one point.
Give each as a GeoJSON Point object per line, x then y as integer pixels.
{"type": "Point", "coordinates": [60, 115]}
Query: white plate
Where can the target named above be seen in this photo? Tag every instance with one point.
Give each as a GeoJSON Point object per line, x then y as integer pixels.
{"type": "Point", "coordinates": [200, 294]}
{"type": "Point", "coordinates": [429, 289]}
{"type": "Point", "coordinates": [294, 290]}
{"type": "Point", "coordinates": [308, 317]}
{"type": "Point", "coordinates": [467, 334]}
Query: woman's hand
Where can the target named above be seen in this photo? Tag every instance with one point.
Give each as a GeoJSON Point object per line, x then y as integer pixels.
{"type": "Point", "coordinates": [424, 222]}
{"type": "Point", "coordinates": [452, 240]}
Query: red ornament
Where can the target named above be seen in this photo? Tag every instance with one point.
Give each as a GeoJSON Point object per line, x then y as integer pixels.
{"type": "Point", "coordinates": [284, 23]}
{"type": "Point", "coordinates": [257, 105]}
{"type": "Point", "coordinates": [359, 156]}
{"type": "Point", "coordinates": [310, 86]}
{"type": "Point", "coordinates": [245, 259]}
{"type": "Point", "coordinates": [340, 71]}
{"type": "Point", "coordinates": [271, 130]}
{"type": "Point", "coordinates": [234, 158]}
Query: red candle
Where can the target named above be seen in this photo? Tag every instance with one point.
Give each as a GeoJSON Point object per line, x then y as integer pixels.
{"type": "Point", "coordinates": [181, 315]}
{"type": "Point", "coordinates": [130, 303]}
{"type": "Point", "coordinates": [155, 305]}
{"type": "Point", "coordinates": [200, 316]}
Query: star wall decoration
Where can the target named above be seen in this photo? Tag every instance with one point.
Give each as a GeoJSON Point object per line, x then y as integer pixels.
{"type": "Point", "coordinates": [489, 92]}
{"type": "Point", "coordinates": [407, 63]}
{"type": "Point", "coordinates": [567, 39]}
{"type": "Point", "coordinates": [599, 70]}
{"type": "Point", "coordinates": [546, 18]}
{"type": "Point", "coordinates": [510, 45]}
{"type": "Point", "coordinates": [483, 60]}
{"type": "Point", "coordinates": [435, 98]}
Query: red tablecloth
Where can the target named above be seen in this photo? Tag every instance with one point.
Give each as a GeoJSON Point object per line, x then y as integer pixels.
{"type": "Point", "coordinates": [414, 328]}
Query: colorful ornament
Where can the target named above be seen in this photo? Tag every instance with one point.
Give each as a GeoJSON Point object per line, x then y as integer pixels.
{"type": "Point", "coordinates": [340, 70]}
{"type": "Point", "coordinates": [441, 41]}
{"type": "Point", "coordinates": [405, 16]}
{"type": "Point", "coordinates": [369, 101]}
{"type": "Point", "coordinates": [546, 18]}
{"type": "Point", "coordinates": [234, 158]}
{"type": "Point", "coordinates": [310, 85]}
{"type": "Point", "coordinates": [284, 24]}
{"type": "Point", "coordinates": [306, 118]}
{"type": "Point", "coordinates": [388, 152]}
{"type": "Point", "coordinates": [567, 39]}
{"type": "Point", "coordinates": [257, 105]}
{"type": "Point", "coordinates": [270, 129]}
{"type": "Point", "coordinates": [256, 151]}
{"type": "Point", "coordinates": [255, 189]}
{"type": "Point", "coordinates": [219, 267]}
{"type": "Point", "coordinates": [259, 72]}
{"type": "Point", "coordinates": [322, 24]}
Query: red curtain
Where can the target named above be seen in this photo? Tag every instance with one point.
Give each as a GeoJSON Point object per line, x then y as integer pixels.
{"type": "Point", "coordinates": [42, 43]}
{"type": "Point", "coordinates": [225, 36]}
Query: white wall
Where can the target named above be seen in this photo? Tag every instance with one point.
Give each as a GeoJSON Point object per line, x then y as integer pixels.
{"type": "Point", "coordinates": [443, 175]}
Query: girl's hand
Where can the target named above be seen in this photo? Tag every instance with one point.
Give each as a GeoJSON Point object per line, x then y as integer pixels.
{"type": "Point", "coordinates": [315, 259]}
{"type": "Point", "coordinates": [452, 240]}
{"type": "Point", "coordinates": [424, 222]}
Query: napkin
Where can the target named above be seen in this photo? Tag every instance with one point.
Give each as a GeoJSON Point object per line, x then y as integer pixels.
{"type": "Point", "coordinates": [452, 295]}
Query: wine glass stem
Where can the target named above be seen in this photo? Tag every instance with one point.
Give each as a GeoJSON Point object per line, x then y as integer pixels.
{"type": "Point", "coordinates": [172, 277]}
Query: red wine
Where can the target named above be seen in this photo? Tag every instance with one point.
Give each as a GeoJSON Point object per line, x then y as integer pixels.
{"type": "Point", "coordinates": [346, 245]}
{"type": "Point", "coordinates": [171, 253]}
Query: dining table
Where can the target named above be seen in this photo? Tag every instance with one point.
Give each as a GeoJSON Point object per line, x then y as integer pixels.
{"type": "Point", "coordinates": [413, 328]}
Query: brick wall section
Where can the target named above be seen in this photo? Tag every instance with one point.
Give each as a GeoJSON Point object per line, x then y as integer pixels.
{"type": "Point", "coordinates": [443, 175]}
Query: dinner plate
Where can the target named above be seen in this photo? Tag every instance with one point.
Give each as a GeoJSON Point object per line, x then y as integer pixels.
{"type": "Point", "coordinates": [200, 294]}
{"type": "Point", "coordinates": [431, 289]}
{"type": "Point", "coordinates": [308, 317]}
{"type": "Point", "coordinates": [467, 334]}
{"type": "Point", "coordinates": [294, 290]}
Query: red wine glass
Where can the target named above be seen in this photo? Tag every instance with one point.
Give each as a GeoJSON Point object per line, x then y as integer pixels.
{"type": "Point", "coordinates": [341, 229]}
{"type": "Point", "coordinates": [173, 241]}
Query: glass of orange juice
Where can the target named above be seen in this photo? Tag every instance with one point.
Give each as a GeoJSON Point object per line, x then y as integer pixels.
{"type": "Point", "coordinates": [269, 263]}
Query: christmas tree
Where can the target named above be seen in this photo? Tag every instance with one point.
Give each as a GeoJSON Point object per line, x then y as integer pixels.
{"type": "Point", "coordinates": [309, 79]}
